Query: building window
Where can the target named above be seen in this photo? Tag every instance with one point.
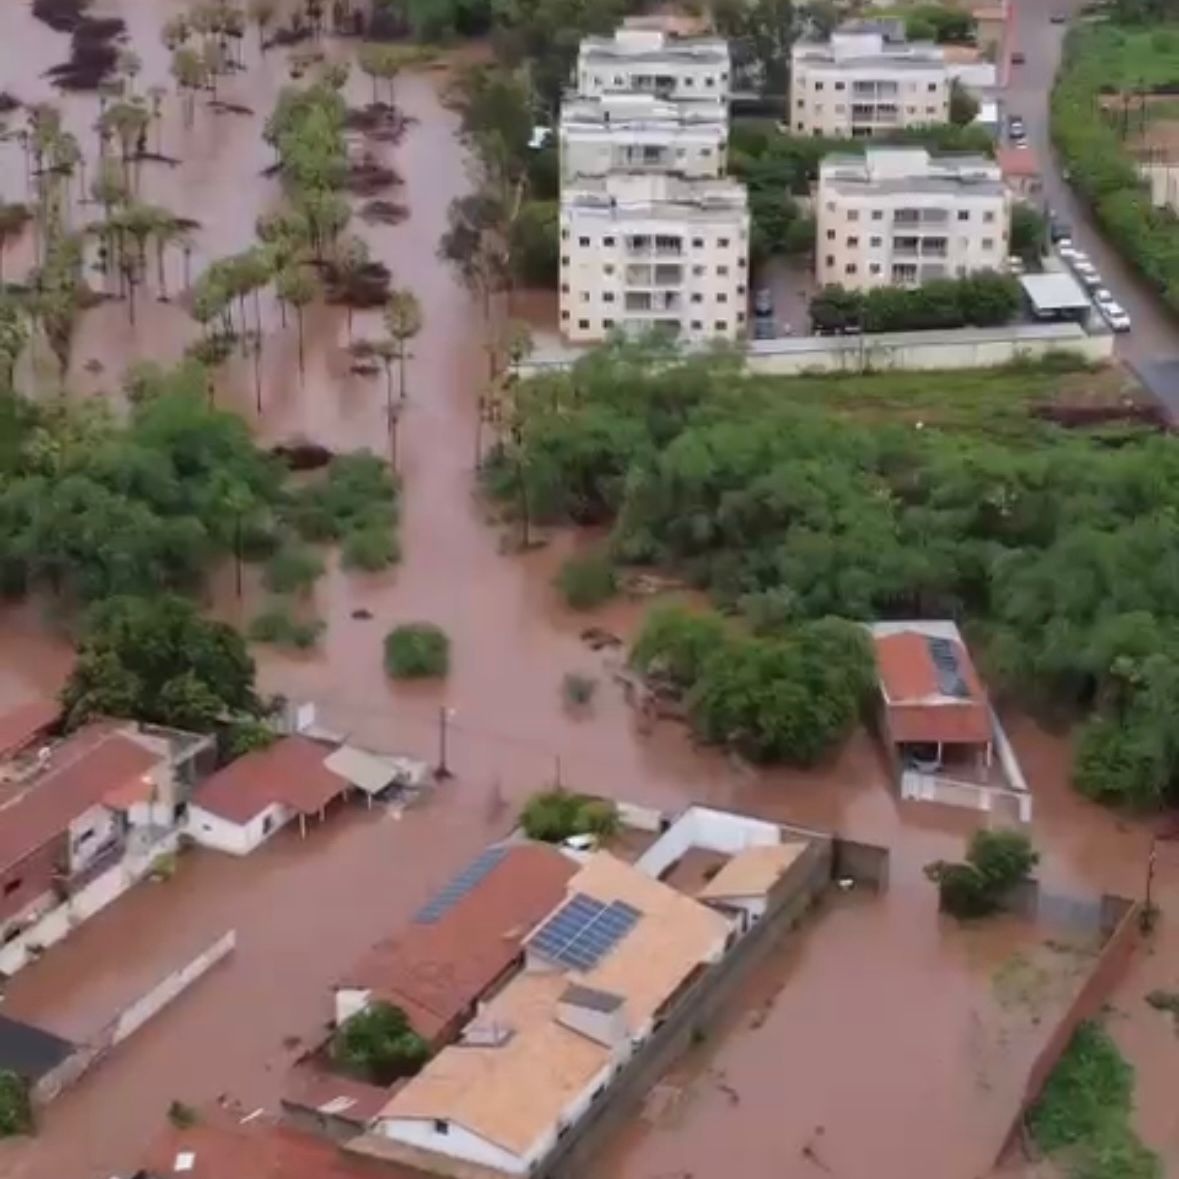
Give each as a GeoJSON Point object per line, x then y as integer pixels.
{"type": "Point", "coordinates": [564, 288]}
{"type": "Point", "coordinates": [697, 243]}
{"type": "Point", "coordinates": [607, 296]}
{"type": "Point", "coordinates": [564, 259]}
{"type": "Point", "coordinates": [800, 126]}
{"type": "Point", "coordinates": [698, 271]}
{"type": "Point", "coordinates": [740, 316]}
{"type": "Point", "coordinates": [10, 886]}
{"type": "Point", "coordinates": [875, 242]}
{"type": "Point", "coordinates": [607, 241]}
{"type": "Point", "coordinates": [441, 1126]}
{"type": "Point", "coordinates": [840, 108]}
{"type": "Point", "coordinates": [564, 235]}
{"type": "Point", "coordinates": [583, 241]}
{"type": "Point", "coordinates": [850, 268]}
{"type": "Point", "coordinates": [911, 109]}
{"type": "Point", "coordinates": [830, 259]}
{"type": "Point", "coordinates": [697, 297]}
{"type": "Point", "coordinates": [877, 215]}
{"type": "Point", "coordinates": [607, 269]}
{"type": "Point", "coordinates": [722, 271]}
{"type": "Point", "coordinates": [800, 104]}
{"type": "Point", "coordinates": [697, 326]}
{"type": "Point", "coordinates": [267, 824]}
{"type": "Point", "coordinates": [874, 268]}
{"type": "Point", "coordinates": [988, 217]}
{"type": "Point", "coordinates": [818, 85]}
{"type": "Point", "coordinates": [963, 214]}
{"type": "Point", "coordinates": [607, 324]}
{"type": "Point", "coordinates": [710, 81]}
{"type": "Point", "coordinates": [564, 314]}
{"type": "Point", "coordinates": [723, 242]}
{"type": "Point", "coordinates": [705, 152]}
{"type": "Point", "coordinates": [741, 290]}
{"type": "Point", "coordinates": [583, 324]}
{"type": "Point", "coordinates": [932, 87]}
{"type": "Point", "coordinates": [838, 85]}
{"type": "Point", "coordinates": [831, 235]}
{"type": "Point", "coordinates": [988, 243]}
{"type": "Point", "coordinates": [853, 214]}
{"type": "Point", "coordinates": [722, 297]}
{"type": "Point", "coordinates": [722, 325]}
{"type": "Point", "coordinates": [585, 296]}
{"type": "Point", "coordinates": [853, 242]}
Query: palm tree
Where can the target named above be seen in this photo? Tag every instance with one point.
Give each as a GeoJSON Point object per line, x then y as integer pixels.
{"type": "Point", "coordinates": [128, 122]}
{"type": "Point", "coordinates": [157, 94]}
{"type": "Point", "coordinates": [403, 321]}
{"type": "Point", "coordinates": [298, 287]}
{"type": "Point", "coordinates": [188, 69]}
{"type": "Point", "coordinates": [129, 65]}
{"type": "Point", "coordinates": [262, 13]}
{"type": "Point", "coordinates": [168, 230]}
{"type": "Point", "coordinates": [14, 216]}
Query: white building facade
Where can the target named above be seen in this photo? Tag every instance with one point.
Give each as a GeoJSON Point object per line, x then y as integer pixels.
{"type": "Point", "coordinates": [650, 61]}
{"type": "Point", "coordinates": [654, 251]}
{"type": "Point", "coordinates": [898, 216]}
{"type": "Point", "coordinates": [643, 133]}
{"type": "Point", "coordinates": [865, 81]}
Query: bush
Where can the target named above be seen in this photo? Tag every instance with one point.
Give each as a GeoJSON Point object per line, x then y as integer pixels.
{"type": "Point", "coordinates": [295, 568]}
{"type": "Point", "coordinates": [378, 1045]}
{"type": "Point", "coordinates": [587, 581]}
{"type": "Point", "coordinates": [996, 861]}
{"type": "Point", "coordinates": [554, 815]}
{"type": "Point", "coordinates": [277, 625]}
{"type": "Point", "coordinates": [675, 643]}
{"type": "Point", "coordinates": [963, 105]}
{"type": "Point", "coordinates": [16, 1110]}
{"type": "Point", "coordinates": [536, 244]}
{"type": "Point", "coordinates": [578, 689]}
{"type": "Point", "coordinates": [1029, 233]}
{"type": "Point", "coordinates": [417, 650]}
{"type": "Point", "coordinates": [371, 547]}
{"type": "Point", "coordinates": [357, 490]}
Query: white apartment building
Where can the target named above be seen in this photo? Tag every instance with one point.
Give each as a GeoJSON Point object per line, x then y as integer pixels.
{"type": "Point", "coordinates": [865, 81]}
{"type": "Point", "coordinates": [640, 251]}
{"type": "Point", "coordinates": [897, 216]}
{"type": "Point", "coordinates": [643, 133]}
{"type": "Point", "coordinates": [651, 61]}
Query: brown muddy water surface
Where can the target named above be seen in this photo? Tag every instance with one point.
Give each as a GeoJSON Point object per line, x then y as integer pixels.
{"type": "Point", "coordinates": [896, 1033]}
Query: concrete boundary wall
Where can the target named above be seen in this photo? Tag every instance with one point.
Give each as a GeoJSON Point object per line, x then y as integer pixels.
{"type": "Point", "coordinates": [576, 1152]}
{"type": "Point", "coordinates": [133, 1017]}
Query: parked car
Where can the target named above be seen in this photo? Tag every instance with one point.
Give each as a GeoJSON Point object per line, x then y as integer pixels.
{"type": "Point", "coordinates": [1058, 230]}
{"type": "Point", "coordinates": [1090, 279]}
{"type": "Point", "coordinates": [1018, 58]}
{"type": "Point", "coordinates": [1068, 252]}
{"type": "Point", "coordinates": [1102, 295]}
{"type": "Point", "coordinates": [1115, 315]}
{"type": "Point", "coordinates": [1059, 18]}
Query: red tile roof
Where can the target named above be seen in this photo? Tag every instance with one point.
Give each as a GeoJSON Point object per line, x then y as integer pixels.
{"type": "Point", "coordinates": [435, 971]}
{"type": "Point", "coordinates": [311, 1086]}
{"type": "Point", "coordinates": [82, 770]}
{"type": "Point", "coordinates": [917, 711]}
{"type": "Point", "coordinates": [1018, 161]}
{"type": "Point", "coordinates": [222, 1146]}
{"type": "Point", "coordinates": [20, 726]}
{"type": "Point", "coordinates": [291, 772]}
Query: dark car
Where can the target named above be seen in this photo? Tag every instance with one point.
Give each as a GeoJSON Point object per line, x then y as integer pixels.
{"type": "Point", "coordinates": [1058, 230]}
{"type": "Point", "coordinates": [1018, 59]}
{"type": "Point", "coordinates": [763, 302]}
{"type": "Point", "coordinates": [1059, 18]}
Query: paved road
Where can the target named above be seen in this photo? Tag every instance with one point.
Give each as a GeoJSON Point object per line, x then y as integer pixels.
{"type": "Point", "coordinates": [1155, 336]}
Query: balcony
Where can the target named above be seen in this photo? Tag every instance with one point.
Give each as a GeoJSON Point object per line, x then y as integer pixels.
{"type": "Point", "coordinates": [645, 246]}
{"type": "Point", "coordinates": [640, 158]}
{"type": "Point", "coordinates": [874, 90]}
{"type": "Point", "coordinates": [918, 218]}
{"type": "Point", "coordinates": [656, 301]}
{"type": "Point", "coordinates": [659, 275]}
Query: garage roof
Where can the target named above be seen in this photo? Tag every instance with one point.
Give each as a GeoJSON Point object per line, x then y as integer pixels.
{"type": "Point", "coordinates": [1054, 291]}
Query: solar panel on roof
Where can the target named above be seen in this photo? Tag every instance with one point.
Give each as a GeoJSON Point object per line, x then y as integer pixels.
{"type": "Point", "coordinates": [945, 665]}
{"type": "Point", "coordinates": [584, 930]}
{"type": "Point", "coordinates": [475, 872]}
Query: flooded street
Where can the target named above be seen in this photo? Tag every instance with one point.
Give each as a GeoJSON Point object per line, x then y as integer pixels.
{"type": "Point", "coordinates": [900, 995]}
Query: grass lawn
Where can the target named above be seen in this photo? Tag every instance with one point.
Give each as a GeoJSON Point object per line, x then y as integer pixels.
{"type": "Point", "coordinates": [1135, 57]}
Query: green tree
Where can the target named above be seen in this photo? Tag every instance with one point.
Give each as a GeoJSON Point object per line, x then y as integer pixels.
{"type": "Point", "coordinates": [963, 105]}
{"type": "Point", "coordinates": [1028, 237]}
{"type": "Point", "coordinates": [379, 1045]}
{"type": "Point", "coordinates": [16, 1110]}
{"type": "Point", "coordinates": [417, 650]}
{"type": "Point", "coordinates": [403, 321]}
{"type": "Point", "coordinates": [587, 581]}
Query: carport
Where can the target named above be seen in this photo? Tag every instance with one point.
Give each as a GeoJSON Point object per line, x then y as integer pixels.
{"type": "Point", "coordinates": [1055, 296]}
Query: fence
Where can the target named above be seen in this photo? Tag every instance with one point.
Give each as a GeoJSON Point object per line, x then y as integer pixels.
{"type": "Point", "coordinates": [1106, 973]}
{"type": "Point", "coordinates": [92, 898]}
{"type": "Point", "coordinates": [133, 1017]}
{"type": "Point", "coordinates": [907, 351]}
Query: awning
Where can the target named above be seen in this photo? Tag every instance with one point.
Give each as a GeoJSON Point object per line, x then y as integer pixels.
{"type": "Point", "coordinates": [369, 772]}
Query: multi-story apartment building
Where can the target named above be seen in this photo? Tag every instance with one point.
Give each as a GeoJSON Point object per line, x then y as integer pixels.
{"type": "Point", "coordinates": [653, 251]}
{"type": "Point", "coordinates": [867, 80]}
{"type": "Point", "coordinates": [649, 61]}
{"type": "Point", "coordinates": [899, 216]}
{"type": "Point", "coordinates": [643, 133]}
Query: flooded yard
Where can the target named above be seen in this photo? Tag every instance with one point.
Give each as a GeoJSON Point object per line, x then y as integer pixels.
{"type": "Point", "coordinates": [882, 1040]}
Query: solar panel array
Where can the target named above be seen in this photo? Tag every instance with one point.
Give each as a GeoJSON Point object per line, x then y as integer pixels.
{"type": "Point", "coordinates": [476, 871]}
{"type": "Point", "coordinates": [945, 665]}
{"type": "Point", "coordinates": [583, 930]}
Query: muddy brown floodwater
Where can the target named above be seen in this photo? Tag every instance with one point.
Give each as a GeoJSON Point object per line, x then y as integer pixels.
{"type": "Point", "coordinates": [881, 1024]}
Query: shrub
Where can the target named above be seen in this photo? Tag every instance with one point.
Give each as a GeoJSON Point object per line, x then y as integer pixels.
{"type": "Point", "coordinates": [357, 489]}
{"type": "Point", "coordinates": [587, 581]}
{"type": "Point", "coordinates": [294, 568]}
{"type": "Point", "coordinates": [554, 815]}
{"type": "Point", "coordinates": [277, 625]}
{"type": "Point", "coordinates": [417, 650]}
{"type": "Point", "coordinates": [578, 689]}
{"type": "Point", "coordinates": [181, 1116]}
{"type": "Point", "coordinates": [16, 1110]}
{"type": "Point", "coordinates": [378, 1045]}
{"type": "Point", "coordinates": [371, 547]}
{"type": "Point", "coordinates": [996, 861]}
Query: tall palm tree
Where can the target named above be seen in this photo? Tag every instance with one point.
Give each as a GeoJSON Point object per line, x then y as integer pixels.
{"type": "Point", "coordinates": [298, 287]}
{"type": "Point", "coordinates": [167, 231]}
{"type": "Point", "coordinates": [403, 321]}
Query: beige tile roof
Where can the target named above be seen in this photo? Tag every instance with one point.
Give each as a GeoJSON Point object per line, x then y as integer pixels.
{"type": "Point", "coordinates": [753, 871]}
{"type": "Point", "coordinates": [511, 1094]}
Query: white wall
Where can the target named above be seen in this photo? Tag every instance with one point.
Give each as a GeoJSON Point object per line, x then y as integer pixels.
{"type": "Point", "coordinates": [89, 834]}
{"type": "Point", "coordinates": [457, 1142]}
{"type": "Point", "coordinates": [704, 827]}
{"type": "Point", "coordinates": [350, 1001]}
{"type": "Point", "coordinates": [238, 839]}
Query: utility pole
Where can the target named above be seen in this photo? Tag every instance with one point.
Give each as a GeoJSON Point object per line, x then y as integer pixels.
{"type": "Point", "coordinates": [1146, 921]}
{"type": "Point", "coordinates": [442, 772]}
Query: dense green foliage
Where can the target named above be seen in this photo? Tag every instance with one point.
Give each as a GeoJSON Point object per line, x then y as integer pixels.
{"type": "Point", "coordinates": [157, 659]}
{"type": "Point", "coordinates": [943, 24]}
{"type": "Point", "coordinates": [587, 581]}
{"type": "Point", "coordinates": [1098, 58]}
{"type": "Point", "coordinates": [791, 499]}
{"type": "Point", "coordinates": [16, 1110]}
{"type": "Point", "coordinates": [1028, 236]}
{"type": "Point", "coordinates": [554, 815]}
{"type": "Point", "coordinates": [985, 299]}
{"type": "Point", "coordinates": [1085, 1111]}
{"type": "Point", "coordinates": [278, 624]}
{"type": "Point", "coordinates": [379, 1045]}
{"type": "Point", "coordinates": [358, 492]}
{"type": "Point", "coordinates": [294, 568]}
{"type": "Point", "coordinates": [789, 698]}
{"type": "Point", "coordinates": [996, 861]}
{"type": "Point", "coordinates": [417, 650]}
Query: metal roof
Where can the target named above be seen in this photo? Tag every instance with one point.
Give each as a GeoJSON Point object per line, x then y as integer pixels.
{"type": "Point", "coordinates": [1054, 291]}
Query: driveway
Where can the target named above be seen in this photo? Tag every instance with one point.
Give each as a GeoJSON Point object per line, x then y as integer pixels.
{"type": "Point", "coordinates": [1155, 336]}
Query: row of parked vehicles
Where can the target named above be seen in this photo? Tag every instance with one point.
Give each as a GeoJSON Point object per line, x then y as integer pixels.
{"type": "Point", "coordinates": [1086, 274]}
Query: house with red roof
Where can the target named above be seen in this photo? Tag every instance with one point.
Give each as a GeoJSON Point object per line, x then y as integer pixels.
{"type": "Point", "coordinates": [242, 805]}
